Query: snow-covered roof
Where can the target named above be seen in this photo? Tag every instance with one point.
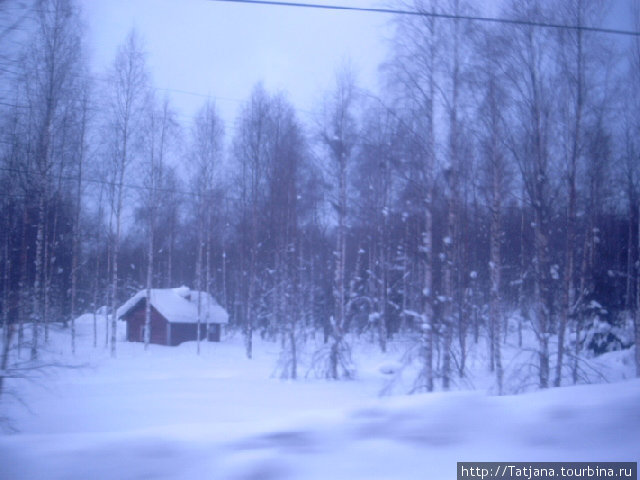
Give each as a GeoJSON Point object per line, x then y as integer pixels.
{"type": "Point", "coordinates": [179, 305]}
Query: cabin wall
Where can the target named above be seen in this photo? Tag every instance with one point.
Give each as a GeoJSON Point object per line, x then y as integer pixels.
{"type": "Point", "coordinates": [186, 332]}
{"type": "Point", "coordinates": [165, 333]}
{"type": "Point", "coordinates": [135, 325]}
{"type": "Point", "coordinates": [214, 332]}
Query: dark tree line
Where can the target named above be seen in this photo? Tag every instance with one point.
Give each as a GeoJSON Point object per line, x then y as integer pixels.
{"type": "Point", "coordinates": [491, 188]}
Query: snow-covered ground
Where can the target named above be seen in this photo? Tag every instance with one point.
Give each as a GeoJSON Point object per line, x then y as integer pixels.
{"type": "Point", "coordinates": [169, 414]}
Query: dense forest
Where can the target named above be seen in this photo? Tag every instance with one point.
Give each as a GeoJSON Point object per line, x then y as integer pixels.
{"type": "Point", "coordinates": [492, 184]}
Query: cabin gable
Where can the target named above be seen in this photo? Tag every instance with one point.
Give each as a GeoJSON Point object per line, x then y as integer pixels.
{"type": "Point", "coordinates": [135, 320]}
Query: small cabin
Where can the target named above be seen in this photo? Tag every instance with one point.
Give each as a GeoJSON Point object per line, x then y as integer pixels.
{"type": "Point", "coordinates": [174, 316]}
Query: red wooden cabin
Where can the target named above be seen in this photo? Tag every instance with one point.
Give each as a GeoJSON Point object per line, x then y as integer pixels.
{"type": "Point", "coordinates": [174, 316]}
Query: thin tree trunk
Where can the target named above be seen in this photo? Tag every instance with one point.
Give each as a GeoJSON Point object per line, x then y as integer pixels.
{"type": "Point", "coordinates": [147, 309]}
{"type": "Point", "coordinates": [384, 286]}
{"type": "Point", "coordinates": [37, 282]}
{"type": "Point", "coordinates": [224, 277]}
{"type": "Point", "coordinates": [523, 267]}
{"type": "Point", "coordinates": [7, 329]}
{"type": "Point", "coordinates": [97, 277]}
{"type": "Point", "coordinates": [172, 227]}
{"type": "Point", "coordinates": [22, 284]}
{"type": "Point", "coordinates": [107, 292]}
{"type": "Point", "coordinates": [114, 262]}
{"type": "Point", "coordinates": [4, 356]}
{"type": "Point", "coordinates": [76, 239]}
{"type": "Point", "coordinates": [428, 320]}
{"type": "Point", "coordinates": [569, 289]}
{"type": "Point", "coordinates": [450, 241]}
{"type": "Point", "coordinates": [496, 258]}
{"type": "Point", "coordinates": [540, 294]}
{"type": "Point", "coordinates": [150, 233]}
{"type": "Point", "coordinates": [404, 245]}
{"type": "Point", "coordinates": [339, 281]}
{"type": "Point", "coordinates": [629, 276]}
{"type": "Point", "coordinates": [252, 278]}
{"type": "Point", "coordinates": [46, 273]}
{"type": "Point", "coordinates": [207, 276]}
{"type": "Point", "coordinates": [637, 316]}
{"type": "Point", "coordinates": [199, 278]}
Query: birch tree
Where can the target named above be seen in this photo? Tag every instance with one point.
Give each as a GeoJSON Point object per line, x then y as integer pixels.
{"type": "Point", "coordinates": [250, 152]}
{"type": "Point", "coordinates": [339, 135]}
{"type": "Point", "coordinates": [633, 156]}
{"type": "Point", "coordinates": [160, 126]}
{"type": "Point", "coordinates": [207, 139]}
{"type": "Point", "coordinates": [126, 106]}
{"type": "Point", "coordinates": [493, 131]}
{"type": "Point", "coordinates": [417, 49]}
{"type": "Point", "coordinates": [52, 63]}
{"type": "Point", "coordinates": [286, 156]}
{"type": "Point", "coordinates": [530, 60]}
{"type": "Point", "coordinates": [76, 249]}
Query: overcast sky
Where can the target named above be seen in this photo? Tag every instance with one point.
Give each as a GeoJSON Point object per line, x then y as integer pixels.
{"type": "Point", "coordinates": [223, 49]}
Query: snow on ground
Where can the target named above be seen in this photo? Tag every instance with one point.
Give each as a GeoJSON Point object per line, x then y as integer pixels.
{"type": "Point", "coordinates": [167, 413]}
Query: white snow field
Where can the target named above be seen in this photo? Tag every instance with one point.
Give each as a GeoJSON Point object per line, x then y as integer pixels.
{"type": "Point", "coordinates": [167, 413]}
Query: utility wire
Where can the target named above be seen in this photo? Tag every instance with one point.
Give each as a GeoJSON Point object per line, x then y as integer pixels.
{"type": "Point", "coordinates": [421, 13]}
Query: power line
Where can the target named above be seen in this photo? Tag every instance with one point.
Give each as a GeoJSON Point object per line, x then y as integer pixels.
{"type": "Point", "coordinates": [447, 16]}
{"type": "Point", "coordinates": [224, 99]}
{"type": "Point", "coordinates": [102, 78]}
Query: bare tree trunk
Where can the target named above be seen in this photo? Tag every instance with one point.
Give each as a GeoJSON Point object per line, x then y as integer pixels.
{"type": "Point", "coordinates": [114, 273]}
{"type": "Point", "coordinates": [569, 289]}
{"type": "Point", "coordinates": [37, 282]}
{"type": "Point", "coordinates": [129, 99]}
{"type": "Point", "coordinates": [521, 301]}
{"type": "Point", "coordinates": [207, 273]}
{"type": "Point", "coordinates": [428, 322]}
{"type": "Point", "coordinates": [4, 355]}
{"type": "Point", "coordinates": [637, 315]}
{"type": "Point", "coordinates": [170, 254]}
{"type": "Point", "coordinates": [628, 298]}
{"type": "Point", "coordinates": [540, 230]}
{"type": "Point", "coordinates": [252, 282]}
{"type": "Point", "coordinates": [7, 329]}
{"type": "Point", "coordinates": [224, 277]}
{"type": "Point", "coordinates": [495, 310]}
{"type": "Point", "coordinates": [199, 275]}
{"type": "Point", "coordinates": [339, 279]}
{"type": "Point", "coordinates": [540, 299]}
{"type": "Point", "coordinates": [404, 245]}
{"type": "Point", "coordinates": [147, 309]}
{"type": "Point", "coordinates": [150, 232]}
{"type": "Point", "coordinates": [108, 290]}
{"type": "Point", "coordinates": [450, 240]}
{"type": "Point", "coordinates": [76, 235]}
{"type": "Point", "coordinates": [46, 273]}
{"type": "Point", "coordinates": [384, 264]}
{"type": "Point", "coordinates": [50, 244]}
{"type": "Point", "coordinates": [97, 277]}
{"type": "Point", "coordinates": [74, 263]}
{"type": "Point", "coordinates": [96, 288]}
{"type": "Point", "coordinates": [447, 290]}
{"type": "Point", "coordinates": [116, 248]}
{"type": "Point", "coordinates": [22, 284]}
